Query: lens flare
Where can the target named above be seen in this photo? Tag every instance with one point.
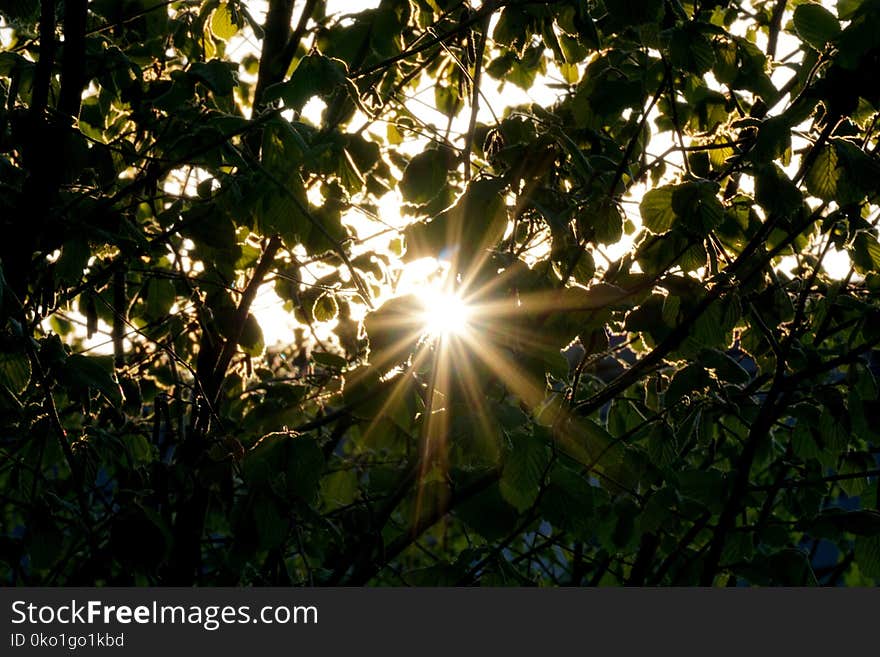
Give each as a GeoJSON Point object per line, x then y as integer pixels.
{"type": "Point", "coordinates": [445, 314]}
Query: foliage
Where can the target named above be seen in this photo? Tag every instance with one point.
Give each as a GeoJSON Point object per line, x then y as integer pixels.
{"type": "Point", "coordinates": [701, 409]}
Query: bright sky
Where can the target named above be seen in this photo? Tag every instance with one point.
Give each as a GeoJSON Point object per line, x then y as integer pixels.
{"type": "Point", "coordinates": [278, 324]}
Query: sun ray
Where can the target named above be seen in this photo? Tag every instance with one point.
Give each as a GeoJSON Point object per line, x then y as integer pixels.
{"type": "Point", "coordinates": [445, 313]}
{"type": "Point", "coordinates": [401, 385]}
{"type": "Point", "coordinates": [435, 424]}
{"type": "Point", "coordinates": [458, 329]}
{"type": "Point", "coordinates": [514, 378]}
{"type": "Point", "coordinates": [474, 400]}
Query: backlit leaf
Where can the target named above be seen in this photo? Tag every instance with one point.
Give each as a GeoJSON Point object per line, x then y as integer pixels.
{"type": "Point", "coordinates": [222, 24]}
{"type": "Point", "coordinates": [315, 75]}
{"type": "Point", "coordinates": [815, 24]}
{"type": "Point", "coordinates": [524, 465]}
{"type": "Point", "coordinates": [868, 555]}
{"type": "Point", "coordinates": [656, 209]}
{"type": "Point", "coordinates": [15, 371]}
{"type": "Point", "coordinates": [326, 308]}
{"type": "Point", "coordinates": [822, 178]}
{"type": "Point", "coordinates": [251, 339]}
{"type": "Point", "coordinates": [82, 373]}
{"type": "Point", "coordinates": [424, 176]}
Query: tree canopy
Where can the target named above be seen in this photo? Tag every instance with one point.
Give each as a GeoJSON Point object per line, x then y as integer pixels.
{"type": "Point", "coordinates": [656, 300]}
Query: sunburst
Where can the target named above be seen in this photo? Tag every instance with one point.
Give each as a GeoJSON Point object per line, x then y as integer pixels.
{"type": "Point", "coordinates": [445, 314]}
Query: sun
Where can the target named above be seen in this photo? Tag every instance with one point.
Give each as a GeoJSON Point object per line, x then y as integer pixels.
{"type": "Point", "coordinates": [445, 314]}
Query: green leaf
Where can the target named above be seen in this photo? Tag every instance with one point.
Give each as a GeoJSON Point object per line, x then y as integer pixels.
{"type": "Point", "coordinates": [584, 266]}
{"type": "Point", "coordinates": [596, 297]}
{"type": "Point", "coordinates": [751, 73]}
{"type": "Point", "coordinates": [305, 463]}
{"type": "Point", "coordinates": [339, 489]}
{"type": "Point", "coordinates": [19, 10]}
{"type": "Point", "coordinates": [566, 491]}
{"type": "Point", "coordinates": [865, 252]}
{"type": "Point", "coordinates": [656, 209]}
{"type": "Point", "coordinates": [288, 464]}
{"type": "Point", "coordinates": [823, 177]}
{"type": "Point", "coordinates": [426, 239]}
{"type": "Point", "coordinates": [500, 66]}
{"type": "Point", "coordinates": [83, 373]}
{"type": "Point", "coordinates": [860, 172]}
{"type": "Point", "coordinates": [847, 9]}
{"type": "Point", "coordinates": [658, 509]}
{"type": "Point", "coordinates": [223, 24]}
{"type": "Point", "coordinates": [282, 150]}
{"type": "Point", "coordinates": [327, 359]}
{"type": "Point", "coordinates": [726, 368]}
{"type": "Point", "coordinates": [158, 295]}
{"type": "Point", "coordinates": [271, 523]}
{"type": "Point", "coordinates": [524, 466]}
{"type": "Point", "coordinates": [868, 555]}
{"type": "Point", "coordinates": [510, 30]}
{"type": "Point", "coordinates": [316, 75]}
{"type": "Point", "coordinates": [832, 522]}
{"type": "Point", "coordinates": [775, 192]}
{"type": "Point", "coordinates": [815, 25]}
{"type": "Point", "coordinates": [725, 68]}
{"type": "Point", "coordinates": [834, 436]}
{"type": "Point", "coordinates": [691, 50]}
{"type": "Point", "coordinates": [662, 445]}
{"type": "Point", "coordinates": [441, 574]}
{"type": "Point", "coordinates": [688, 380]}
{"type": "Point", "coordinates": [251, 339]}
{"type": "Point", "coordinates": [698, 206]}
{"type": "Point", "coordinates": [591, 445]}
{"type": "Point", "coordinates": [791, 567]}
{"type": "Point", "coordinates": [774, 139]}
{"type": "Point", "coordinates": [326, 308]}
{"type": "Point", "coordinates": [281, 211]}
{"type": "Point", "coordinates": [738, 547]}
{"type": "Point", "coordinates": [704, 486]}
{"type": "Point", "coordinates": [855, 464]}
{"type": "Point", "coordinates": [394, 329]}
{"type": "Point", "coordinates": [447, 99]}
{"type": "Point", "coordinates": [636, 12]}
{"type": "Point", "coordinates": [524, 71]}
{"type": "Point", "coordinates": [208, 225]}
{"type": "Point", "coordinates": [15, 371]}
{"type": "Point", "coordinates": [572, 50]}
{"type": "Point", "coordinates": [606, 221]}
{"type": "Point", "coordinates": [488, 514]}
{"type": "Point", "coordinates": [216, 74]}
{"type": "Point", "coordinates": [475, 223]}
{"type": "Point", "coordinates": [648, 317]}
{"type": "Point", "coordinates": [424, 176]}
{"type": "Point", "coordinates": [74, 257]}
{"type": "Point", "coordinates": [712, 328]}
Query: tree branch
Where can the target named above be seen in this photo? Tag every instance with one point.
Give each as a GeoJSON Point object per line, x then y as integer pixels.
{"type": "Point", "coordinates": [476, 17]}
{"type": "Point", "coordinates": [276, 33]}
{"type": "Point", "coordinates": [73, 63]}
{"type": "Point", "coordinates": [475, 100]}
{"type": "Point", "coordinates": [298, 33]}
{"type": "Point", "coordinates": [423, 524]}
{"type": "Point", "coordinates": [759, 432]}
{"type": "Point", "coordinates": [212, 389]}
{"type": "Point", "coordinates": [775, 27]}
